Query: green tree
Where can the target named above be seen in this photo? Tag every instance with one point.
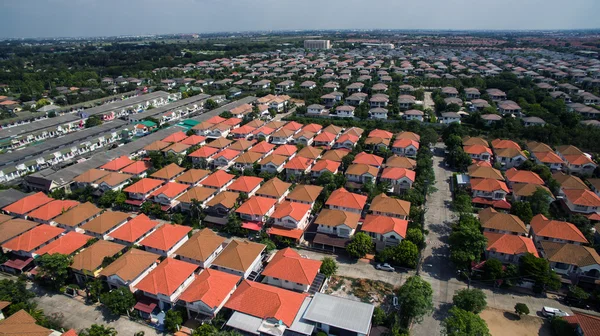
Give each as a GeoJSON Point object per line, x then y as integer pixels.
{"type": "Point", "coordinates": [379, 316]}
{"type": "Point", "coordinates": [173, 320]}
{"type": "Point", "coordinates": [540, 202]}
{"type": "Point", "coordinates": [415, 235]}
{"type": "Point", "coordinates": [577, 293]}
{"type": "Point", "coordinates": [93, 121]}
{"type": "Point", "coordinates": [463, 323]}
{"type": "Point", "coordinates": [538, 270]}
{"type": "Point", "coordinates": [99, 330]}
{"type": "Point", "coordinates": [360, 245]}
{"type": "Point", "coordinates": [406, 254]}
{"type": "Point", "coordinates": [492, 270]}
{"type": "Point", "coordinates": [210, 104]}
{"type": "Point", "coordinates": [415, 298]}
{"type": "Point", "coordinates": [119, 301]}
{"type": "Point", "coordinates": [471, 300]}
{"type": "Point", "coordinates": [328, 266]}
{"type": "Point", "coordinates": [562, 328]}
{"type": "Point", "coordinates": [462, 203]}
{"type": "Point", "coordinates": [522, 210]}
{"type": "Point", "coordinates": [521, 309]}
{"type": "Point", "coordinates": [204, 330]}
{"type": "Point", "coordinates": [95, 288]}
{"type": "Point", "coordinates": [15, 291]}
{"type": "Point", "coordinates": [54, 269]}
{"type": "Point", "coordinates": [467, 243]}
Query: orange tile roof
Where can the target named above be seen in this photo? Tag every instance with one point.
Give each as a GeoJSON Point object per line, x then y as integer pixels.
{"type": "Point", "coordinates": [578, 159]}
{"type": "Point", "coordinates": [305, 193]}
{"type": "Point", "coordinates": [545, 227]}
{"type": "Point", "coordinates": [299, 163]}
{"type": "Point", "coordinates": [228, 154]}
{"type": "Point", "coordinates": [491, 219]}
{"type": "Point", "coordinates": [409, 135]}
{"type": "Point", "coordinates": [192, 176]}
{"type": "Point", "coordinates": [114, 179]}
{"type": "Point", "coordinates": [217, 179]}
{"type": "Point", "coordinates": [334, 155]}
{"type": "Point", "coordinates": [385, 224]}
{"type": "Point", "coordinates": [508, 152]}
{"type": "Point", "coordinates": [343, 198]}
{"type": "Point", "coordinates": [198, 193]}
{"type": "Point", "coordinates": [239, 255]}
{"type": "Point", "coordinates": [91, 175]}
{"type": "Point", "coordinates": [589, 324]}
{"type": "Point", "coordinates": [377, 133]}
{"type": "Point", "coordinates": [107, 221]}
{"type": "Point", "coordinates": [167, 277]}
{"type": "Point", "coordinates": [274, 188]}
{"type": "Point", "coordinates": [227, 199]}
{"type": "Point", "coordinates": [242, 145]}
{"type": "Point", "coordinates": [384, 203]}
{"type": "Point", "coordinates": [232, 121]}
{"type": "Point", "coordinates": [488, 184]}
{"type": "Point", "coordinates": [469, 141]}
{"type": "Point", "coordinates": [404, 143]}
{"type": "Point", "coordinates": [394, 173]}
{"type": "Point", "coordinates": [293, 209]}
{"type": "Point", "coordinates": [211, 287]}
{"type": "Point", "coordinates": [477, 149]}
{"type": "Point", "coordinates": [32, 239]}
{"type": "Point", "coordinates": [292, 125]}
{"type": "Point", "coordinates": [175, 137]}
{"type": "Point", "coordinates": [166, 236]}
{"type": "Point", "coordinates": [325, 137]}
{"type": "Point", "coordinates": [345, 137]}
{"type": "Point", "coordinates": [288, 265]}
{"type": "Point", "coordinates": [509, 244]}
{"type": "Point", "coordinates": [369, 159]}
{"type": "Point", "coordinates": [157, 145]}
{"type": "Point", "coordinates": [92, 257]}
{"type": "Point", "coordinates": [310, 152]}
{"type": "Point", "coordinates": [130, 265]}
{"type": "Point", "coordinates": [203, 152]}
{"type": "Point", "coordinates": [53, 209]}
{"type": "Point", "coordinates": [137, 167]}
{"type": "Point", "coordinates": [170, 189]}
{"type": "Point", "coordinates": [264, 301]}
{"type": "Point", "coordinates": [477, 170]}
{"type": "Point", "coordinates": [499, 143]}
{"type": "Point", "coordinates": [78, 214]}
{"type": "Point", "coordinates": [117, 164]}
{"type": "Point", "coordinates": [28, 203]}
{"type": "Point", "coordinates": [144, 186]}
{"type": "Point", "coordinates": [285, 150]}
{"type": "Point", "coordinates": [22, 324]}
{"type": "Point", "coordinates": [262, 147]}
{"type": "Point", "coordinates": [193, 140]}
{"type": "Point", "coordinates": [401, 162]}
{"type": "Point", "coordinates": [523, 176]}
{"type": "Point", "coordinates": [548, 157]}
{"type": "Point", "coordinates": [245, 184]}
{"type": "Point", "coordinates": [134, 229]}
{"type": "Point", "coordinates": [14, 227]}
{"type": "Point", "coordinates": [328, 165]}
{"type": "Point", "coordinates": [177, 147]}
{"type": "Point", "coordinates": [582, 197]}
{"type": "Point", "coordinates": [201, 245]}
{"type": "Point", "coordinates": [215, 120]}
{"type": "Point", "coordinates": [67, 244]}
{"type": "Point", "coordinates": [256, 205]}
{"type": "Point", "coordinates": [314, 128]}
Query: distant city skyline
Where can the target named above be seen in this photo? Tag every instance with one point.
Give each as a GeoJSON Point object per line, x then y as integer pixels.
{"type": "Point", "coordinates": [89, 18]}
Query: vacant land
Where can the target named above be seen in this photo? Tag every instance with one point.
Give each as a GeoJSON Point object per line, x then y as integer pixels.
{"type": "Point", "coordinates": [502, 323]}
{"type": "Point", "coordinates": [365, 290]}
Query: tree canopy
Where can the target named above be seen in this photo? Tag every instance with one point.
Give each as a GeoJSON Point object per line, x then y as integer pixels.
{"type": "Point", "coordinates": [463, 323]}
{"type": "Point", "coordinates": [471, 300]}
{"type": "Point", "coordinates": [415, 298]}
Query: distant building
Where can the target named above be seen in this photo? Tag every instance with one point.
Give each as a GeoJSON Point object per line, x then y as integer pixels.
{"type": "Point", "coordinates": [317, 44]}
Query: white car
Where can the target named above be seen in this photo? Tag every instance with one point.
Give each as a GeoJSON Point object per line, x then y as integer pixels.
{"type": "Point", "coordinates": [551, 312]}
{"type": "Point", "coordinates": [385, 267]}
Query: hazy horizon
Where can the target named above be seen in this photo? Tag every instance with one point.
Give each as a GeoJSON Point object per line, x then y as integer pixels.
{"type": "Point", "coordinates": [94, 18]}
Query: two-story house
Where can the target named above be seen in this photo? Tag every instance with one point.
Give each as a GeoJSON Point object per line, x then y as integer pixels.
{"type": "Point", "coordinates": [201, 248]}
{"type": "Point", "coordinates": [385, 231]}
{"type": "Point", "coordinates": [289, 270]}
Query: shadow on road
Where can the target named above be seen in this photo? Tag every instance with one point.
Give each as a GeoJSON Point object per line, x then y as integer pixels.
{"type": "Point", "coordinates": [107, 315]}
{"type": "Point", "coordinates": [442, 312]}
{"type": "Point", "coordinates": [511, 316]}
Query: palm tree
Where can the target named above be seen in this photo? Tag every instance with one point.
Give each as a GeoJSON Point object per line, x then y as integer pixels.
{"type": "Point", "coordinates": [99, 330]}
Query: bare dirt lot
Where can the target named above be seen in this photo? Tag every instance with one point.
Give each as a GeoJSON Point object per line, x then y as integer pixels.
{"type": "Point", "coordinates": [502, 323]}
{"type": "Point", "coordinates": [365, 290]}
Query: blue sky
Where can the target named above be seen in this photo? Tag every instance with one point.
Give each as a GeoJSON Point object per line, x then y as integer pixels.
{"type": "Point", "coordinates": [51, 18]}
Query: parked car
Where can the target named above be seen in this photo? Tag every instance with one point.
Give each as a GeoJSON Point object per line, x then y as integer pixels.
{"type": "Point", "coordinates": [552, 312]}
{"type": "Point", "coordinates": [385, 267]}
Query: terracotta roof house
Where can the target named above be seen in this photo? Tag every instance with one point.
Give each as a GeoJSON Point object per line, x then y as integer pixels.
{"type": "Point", "coordinates": [337, 222]}
{"type": "Point", "coordinates": [503, 143]}
{"type": "Point", "coordinates": [242, 145]}
{"type": "Point", "coordinates": [220, 143]}
{"type": "Point", "coordinates": [166, 196]}
{"type": "Point", "coordinates": [409, 135]}
{"type": "Point", "coordinates": [522, 176]}
{"type": "Point", "coordinates": [573, 261]}
{"type": "Point", "coordinates": [117, 164]}
{"type": "Point", "coordinates": [66, 244]}
{"type": "Point", "coordinates": [90, 177]}
{"type": "Point", "coordinates": [583, 202]}
{"type": "Point", "coordinates": [48, 211]}
{"type": "Point", "coordinates": [202, 248]}
{"type": "Point", "coordinates": [168, 173]}
{"type": "Point", "coordinates": [208, 293]}
{"type": "Point", "coordinates": [192, 176]}
{"type": "Point", "coordinates": [288, 270]}
{"type": "Point", "coordinates": [141, 190]}
{"type": "Point", "coordinates": [384, 205]}
{"type": "Point", "coordinates": [324, 165]}
{"type": "Point", "coordinates": [522, 191]}
{"type": "Point", "coordinates": [288, 151]}
{"type": "Point", "coordinates": [13, 228]}
{"type": "Point", "coordinates": [401, 162]}
{"type": "Point", "coordinates": [298, 166]}
{"type": "Point", "coordinates": [263, 302]}
{"type": "Point", "coordinates": [290, 219]}
{"type": "Point", "coordinates": [543, 229]}
{"type": "Point", "coordinates": [538, 147]}
{"type": "Point", "coordinates": [587, 323]}
{"type": "Point", "coordinates": [549, 159]}
{"type": "Point", "coordinates": [405, 147]}
{"type": "Point", "coordinates": [342, 199]}
{"type": "Point", "coordinates": [156, 146]}
{"type": "Point", "coordinates": [314, 128]}
{"type": "Point", "coordinates": [400, 179]}
{"type": "Point", "coordinates": [224, 158]}
{"type": "Point", "coordinates": [134, 230]}
{"type": "Point", "coordinates": [262, 147]}
{"type": "Point", "coordinates": [500, 222]}
{"type": "Point", "coordinates": [568, 182]}
{"type": "Point", "coordinates": [203, 155]}
{"type": "Point", "coordinates": [575, 160]}
{"type": "Point", "coordinates": [375, 143]}
{"type": "Point", "coordinates": [21, 324]}
{"type": "Point", "coordinates": [218, 180]}
{"type": "Point", "coordinates": [385, 231]}
{"type": "Point", "coordinates": [166, 239]}
{"type": "Point", "coordinates": [324, 139]}
{"type": "Point", "coordinates": [90, 261]}
{"type": "Point", "coordinates": [246, 160]}
{"type": "Point", "coordinates": [167, 281]}
{"type": "Point", "coordinates": [306, 194]}
{"type": "Point", "coordinates": [27, 204]}
{"type": "Point", "coordinates": [370, 159]}
{"type": "Point", "coordinates": [360, 173]}
{"type": "Point", "coordinates": [194, 140]}
{"type": "Point", "coordinates": [488, 188]}
{"type": "Point", "coordinates": [246, 184]}
{"type": "Point", "coordinates": [256, 209]}
{"type": "Point", "coordinates": [29, 242]}
{"type": "Point", "coordinates": [240, 258]}
{"type": "Point", "coordinates": [100, 227]}
{"type": "Point", "coordinates": [381, 134]}
{"type": "Point", "coordinates": [471, 141]}
{"type": "Point", "coordinates": [508, 248]}
{"type": "Point", "coordinates": [334, 155]}
{"type": "Point", "coordinates": [275, 189]}
{"type": "Point", "coordinates": [129, 269]}
{"type": "Point", "coordinates": [175, 137]}
{"type": "Point", "coordinates": [198, 193]}
{"type": "Point", "coordinates": [137, 169]}
{"type": "Point", "coordinates": [478, 152]}
{"type": "Point", "coordinates": [310, 152]}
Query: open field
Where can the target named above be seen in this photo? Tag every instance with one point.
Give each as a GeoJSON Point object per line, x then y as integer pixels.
{"type": "Point", "coordinates": [503, 323]}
